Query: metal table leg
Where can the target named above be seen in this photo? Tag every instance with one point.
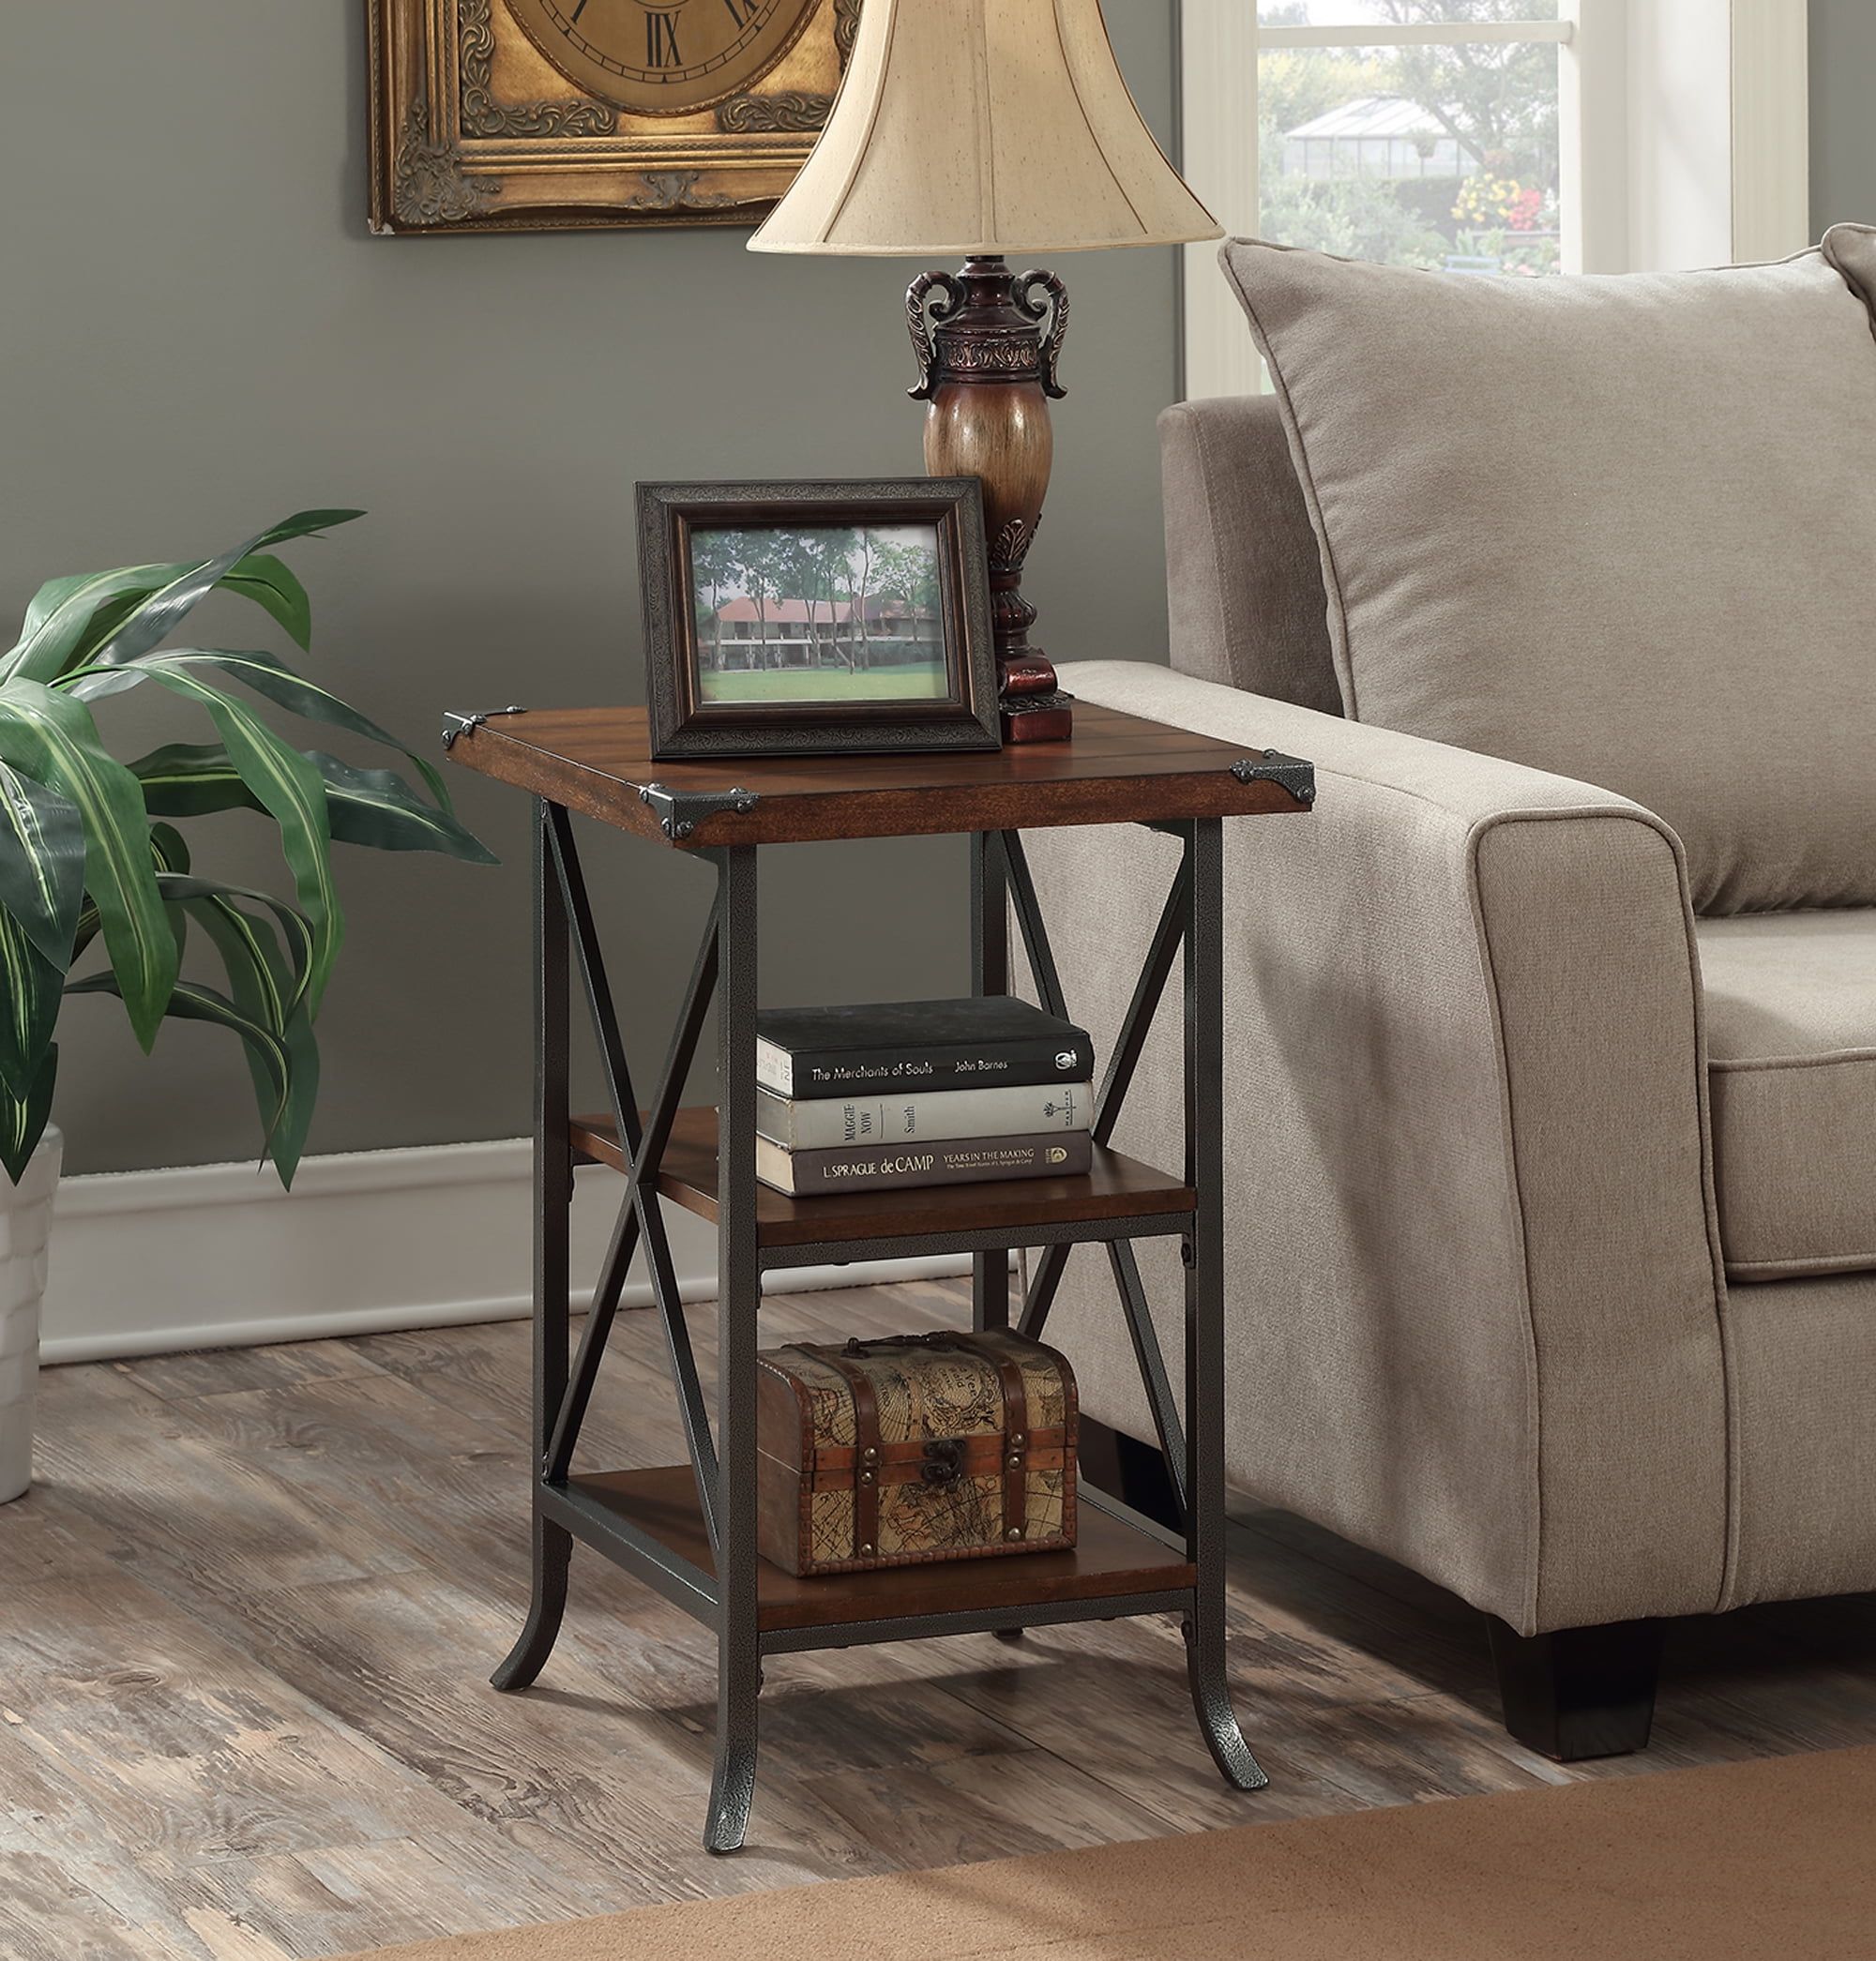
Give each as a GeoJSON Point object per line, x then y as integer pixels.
{"type": "Point", "coordinates": [552, 1202]}
{"type": "Point", "coordinates": [740, 1301]}
{"type": "Point", "coordinates": [1205, 1304]}
{"type": "Point", "coordinates": [989, 974]}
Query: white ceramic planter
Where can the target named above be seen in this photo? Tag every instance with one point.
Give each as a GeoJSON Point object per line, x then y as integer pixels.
{"type": "Point", "coordinates": [25, 1225]}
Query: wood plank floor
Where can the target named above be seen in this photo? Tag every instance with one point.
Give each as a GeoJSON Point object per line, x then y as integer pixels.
{"type": "Point", "coordinates": [248, 1616]}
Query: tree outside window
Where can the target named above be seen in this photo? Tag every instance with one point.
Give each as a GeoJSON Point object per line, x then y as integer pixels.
{"type": "Point", "coordinates": [1434, 153]}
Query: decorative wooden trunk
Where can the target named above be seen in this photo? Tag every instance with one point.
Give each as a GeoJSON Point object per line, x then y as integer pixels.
{"type": "Point", "coordinates": [912, 1447]}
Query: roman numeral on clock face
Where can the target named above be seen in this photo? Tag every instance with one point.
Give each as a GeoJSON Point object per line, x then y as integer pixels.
{"type": "Point", "coordinates": [661, 42]}
{"type": "Point", "coordinates": [690, 55]}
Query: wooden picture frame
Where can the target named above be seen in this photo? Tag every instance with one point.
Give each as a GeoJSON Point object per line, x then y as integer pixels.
{"type": "Point", "coordinates": [475, 128]}
{"type": "Point", "coordinates": [896, 654]}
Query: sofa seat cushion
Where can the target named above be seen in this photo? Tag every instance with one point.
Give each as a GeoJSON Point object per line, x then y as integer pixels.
{"type": "Point", "coordinates": [1790, 1028]}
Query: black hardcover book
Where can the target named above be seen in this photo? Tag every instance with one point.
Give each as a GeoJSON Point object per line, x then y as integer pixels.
{"type": "Point", "coordinates": [932, 1045]}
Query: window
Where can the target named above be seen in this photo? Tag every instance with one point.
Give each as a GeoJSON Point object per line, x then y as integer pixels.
{"type": "Point", "coordinates": [1490, 138]}
{"type": "Point", "coordinates": [1378, 141]}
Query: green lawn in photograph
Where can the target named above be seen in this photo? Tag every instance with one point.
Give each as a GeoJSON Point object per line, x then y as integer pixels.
{"type": "Point", "coordinates": [907, 680]}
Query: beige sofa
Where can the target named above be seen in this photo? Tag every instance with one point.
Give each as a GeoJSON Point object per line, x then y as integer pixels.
{"type": "Point", "coordinates": [1552, 1214]}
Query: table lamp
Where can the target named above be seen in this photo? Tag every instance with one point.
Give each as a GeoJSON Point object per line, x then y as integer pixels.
{"type": "Point", "coordinates": [982, 127]}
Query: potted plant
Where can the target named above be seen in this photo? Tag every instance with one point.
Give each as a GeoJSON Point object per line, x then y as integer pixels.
{"type": "Point", "coordinates": [89, 854]}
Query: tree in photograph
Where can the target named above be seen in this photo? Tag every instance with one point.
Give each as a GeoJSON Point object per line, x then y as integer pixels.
{"type": "Point", "coordinates": [909, 574]}
{"type": "Point", "coordinates": [797, 565]}
{"type": "Point", "coordinates": [831, 551]}
{"type": "Point", "coordinates": [755, 571]}
{"type": "Point", "coordinates": [713, 562]}
{"type": "Point", "coordinates": [864, 564]}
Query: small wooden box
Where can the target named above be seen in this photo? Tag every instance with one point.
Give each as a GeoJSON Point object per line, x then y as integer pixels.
{"type": "Point", "coordinates": [912, 1448]}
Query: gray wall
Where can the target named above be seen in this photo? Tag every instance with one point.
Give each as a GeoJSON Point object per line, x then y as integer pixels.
{"type": "Point", "coordinates": [1843, 133]}
{"type": "Point", "coordinates": [200, 335]}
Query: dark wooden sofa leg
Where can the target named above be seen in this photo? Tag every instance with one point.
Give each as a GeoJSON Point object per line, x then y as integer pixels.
{"type": "Point", "coordinates": [1582, 1691]}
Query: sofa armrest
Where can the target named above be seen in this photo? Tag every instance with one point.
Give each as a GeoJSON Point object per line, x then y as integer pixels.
{"type": "Point", "coordinates": [1475, 1280]}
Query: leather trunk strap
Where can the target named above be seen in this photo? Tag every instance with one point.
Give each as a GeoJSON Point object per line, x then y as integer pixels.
{"type": "Point", "coordinates": [866, 1448]}
{"type": "Point", "coordinates": [1016, 1432]}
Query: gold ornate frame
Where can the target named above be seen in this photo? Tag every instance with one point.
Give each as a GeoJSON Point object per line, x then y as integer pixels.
{"type": "Point", "coordinates": [471, 130]}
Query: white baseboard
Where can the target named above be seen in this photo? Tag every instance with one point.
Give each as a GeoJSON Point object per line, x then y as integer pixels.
{"type": "Point", "coordinates": [218, 1255]}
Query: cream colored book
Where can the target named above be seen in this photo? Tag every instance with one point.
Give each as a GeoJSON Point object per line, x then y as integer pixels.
{"type": "Point", "coordinates": [928, 1116]}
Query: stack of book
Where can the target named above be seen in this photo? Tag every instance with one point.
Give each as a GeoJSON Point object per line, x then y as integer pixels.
{"type": "Point", "coordinates": [906, 1092]}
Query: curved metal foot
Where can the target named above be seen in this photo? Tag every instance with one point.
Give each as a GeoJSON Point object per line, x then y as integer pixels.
{"type": "Point", "coordinates": [1211, 1701]}
{"type": "Point", "coordinates": [1007, 1633]}
{"type": "Point", "coordinates": [552, 1554]}
{"type": "Point", "coordinates": [733, 1782]}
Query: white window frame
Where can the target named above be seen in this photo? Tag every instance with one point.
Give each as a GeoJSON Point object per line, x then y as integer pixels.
{"type": "Point", "coordinates": [1684, 131]}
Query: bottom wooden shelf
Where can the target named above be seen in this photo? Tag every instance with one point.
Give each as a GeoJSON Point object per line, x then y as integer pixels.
{"type": "Point", "coordinates": [1111, 1561]}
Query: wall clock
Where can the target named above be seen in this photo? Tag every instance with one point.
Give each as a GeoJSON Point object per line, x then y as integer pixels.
{"type": "Point", "coordinates": [540, 114]}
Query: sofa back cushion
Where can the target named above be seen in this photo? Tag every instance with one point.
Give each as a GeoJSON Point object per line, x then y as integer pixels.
{"type": "Point", "coordinates": [1244, 579]}
{"type": "Point", "coordinates": [1623, 529]}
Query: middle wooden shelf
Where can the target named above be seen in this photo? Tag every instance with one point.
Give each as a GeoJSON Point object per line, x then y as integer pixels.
{"type": "Point", "coordinates": [1117, 1187]}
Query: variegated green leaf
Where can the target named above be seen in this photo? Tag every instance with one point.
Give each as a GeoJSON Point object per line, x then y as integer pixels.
{"type": "Point", "coordinates": [266, 675]}
{"type": "Point", "coordinates": [295, 1122]}
{"type": "Point", "coordinates": [169, 852]}
{"type": "Point", "coordinates": [191, 779]}
{"type": "Point", "coordinates": [377, 807]}
{"type": "Point", "coordinates": [260, 576]}
{"type": "Point", "coordinates": [272, 585]}
{"type": "Point", "coordinates": [289, 970]}
{"type": "Point", "coordinates": [152, 622]}
{"type": "Point", "coordinates": [367, 807]}
{"type": "Point", "coordinates": [168, 849]}
{"type": "Point", "coordinates": [289, 789]}
{"type": "Point", "coordinates": [265, 984]}
{"type": "Point", "coordinates": [29, 1005]}
{"type": "Point", "coordinates": [191, 1001]}
{"type": "Point", "coordinates": [53, 739]}
{"type": "Point", "coordinates": [60, 614]}
{"type": "Point", "coordinates": [42, 862]}
{"type": "Point", "coordinates": [132, 608]}
{"type": "Point", "coordinates": [22, 1119]}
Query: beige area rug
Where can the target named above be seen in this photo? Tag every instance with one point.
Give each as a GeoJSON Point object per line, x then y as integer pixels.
{"type": "Point", "coordinates": [1773, 1860]}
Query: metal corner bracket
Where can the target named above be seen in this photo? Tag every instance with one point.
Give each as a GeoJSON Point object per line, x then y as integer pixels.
{"type": "Point", "coordinates": [1295, 775]}
{"type": "Point", "coordinates": [680, 811]}
{"type": "Point", "coordinates": [455, 725]}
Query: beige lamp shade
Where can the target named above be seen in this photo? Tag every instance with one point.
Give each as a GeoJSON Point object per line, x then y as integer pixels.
{"type": "Point", "coordinates": [983, 127]}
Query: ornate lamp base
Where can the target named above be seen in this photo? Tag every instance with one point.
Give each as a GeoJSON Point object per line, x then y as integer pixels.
{"type": "Point", "coordinates": [987, 347]}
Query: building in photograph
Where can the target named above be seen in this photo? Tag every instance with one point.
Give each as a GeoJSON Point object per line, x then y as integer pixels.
{"type": "Point", "coordinates": [823, 632]}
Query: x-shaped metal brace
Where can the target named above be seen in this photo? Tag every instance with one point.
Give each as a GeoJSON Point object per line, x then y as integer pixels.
{"type": "Point", "coordinates": [641, 1217]}
{"type": "Point", "coordinates": [1168, 936]}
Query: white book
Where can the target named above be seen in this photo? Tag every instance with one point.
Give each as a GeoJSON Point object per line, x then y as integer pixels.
{"type": "Point", "coordinates": [930, 1116]}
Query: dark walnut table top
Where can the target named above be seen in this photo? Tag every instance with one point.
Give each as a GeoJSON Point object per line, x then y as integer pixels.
{"type": "Point", "coordinates": [1116, 769]}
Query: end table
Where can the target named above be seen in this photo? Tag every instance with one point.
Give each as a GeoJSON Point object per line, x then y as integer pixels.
{"type": "Point", "coordinates": [690, 1529]}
